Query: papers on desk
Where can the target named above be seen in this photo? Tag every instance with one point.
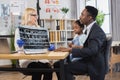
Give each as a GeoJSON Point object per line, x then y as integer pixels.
{"type": "Point", "coordinates": [56, 53]}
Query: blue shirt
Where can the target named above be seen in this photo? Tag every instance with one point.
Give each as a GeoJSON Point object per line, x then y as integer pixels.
{"type": "Point", "coordinates": [78, 40]}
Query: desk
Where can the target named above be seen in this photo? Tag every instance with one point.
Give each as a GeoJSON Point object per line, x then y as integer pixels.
{"type": "Point", "coordinates": [50, 55]}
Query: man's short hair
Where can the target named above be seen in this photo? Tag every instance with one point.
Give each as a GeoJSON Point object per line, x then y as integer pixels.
{"type": "Point", "coordinates": [92, 11]}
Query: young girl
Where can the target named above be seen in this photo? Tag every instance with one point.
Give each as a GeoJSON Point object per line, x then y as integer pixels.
{"type": "Point", "coordinates": [77, 42]}
{"type": "Point", "coordinates": [79, 37]}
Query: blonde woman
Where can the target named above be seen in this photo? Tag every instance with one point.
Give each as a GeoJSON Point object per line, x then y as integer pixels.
{"type": "Point", "coordinates": [29, 18]}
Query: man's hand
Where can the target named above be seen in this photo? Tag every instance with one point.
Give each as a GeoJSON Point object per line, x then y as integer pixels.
{"type": "Point", "coordinates": [66, 50]}
{"type": "Point", "coordinates": [74, 46]}
{"type": "Point", "coordinates": [63, 49]}
{"type": "Point", "coordinates": [70, 45]}
{"type": "Point", "coordinates": [59, 49]}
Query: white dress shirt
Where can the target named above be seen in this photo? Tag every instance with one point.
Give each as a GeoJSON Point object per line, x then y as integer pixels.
{"type": "Point", "coordinates": [88, 28]}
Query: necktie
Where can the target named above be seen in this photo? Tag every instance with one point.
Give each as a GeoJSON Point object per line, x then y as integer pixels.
{"type": "Point", "coordinates": [85, 32]}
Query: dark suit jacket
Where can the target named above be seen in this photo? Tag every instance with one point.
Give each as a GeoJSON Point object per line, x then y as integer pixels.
{"type": "Point", "coordinates": [93, 51]}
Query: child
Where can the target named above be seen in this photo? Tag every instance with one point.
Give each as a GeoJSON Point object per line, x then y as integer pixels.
{"type": "Point", "coordinates": [77, 42]}
{"type": "Point", "coordinates": [78, 39]}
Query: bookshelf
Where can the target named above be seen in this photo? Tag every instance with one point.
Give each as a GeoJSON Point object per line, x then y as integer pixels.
{"type": "Point", "coordinates": [59, 30]}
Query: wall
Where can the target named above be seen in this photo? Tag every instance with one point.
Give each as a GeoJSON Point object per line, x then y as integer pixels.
{"type": "Point", "coordinates": [80, 6]}
{"type": "Point", "coordinates": [71, 4]}
{"type": "Point", "coordinates": [57, 15]}
{"type": "Point", "coordinates": [115, 11]}
{"type": "Point", "coordinates": [13, 21]}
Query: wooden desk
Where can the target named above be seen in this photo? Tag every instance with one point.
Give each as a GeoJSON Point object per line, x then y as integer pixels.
{"type": "Point", "coordinates": [50, 55]}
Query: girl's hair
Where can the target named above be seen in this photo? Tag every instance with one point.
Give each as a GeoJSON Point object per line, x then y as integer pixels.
{"type": "Point", "coordinates": [79, 23]}
{"type": "Point", "coordinates": [25, 16]}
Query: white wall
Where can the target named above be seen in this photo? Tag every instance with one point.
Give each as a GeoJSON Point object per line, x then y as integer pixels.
{"type": "Point", "coordinates": [31, 3]}
{"type": "Point", "coordinates": [62, 3]}
{"type": "Point", "coordinates": [4, 1]}
{"type": "Point", "coordinates": [115, 14]}
{"type": "Point", "coordinates": [71, 4]}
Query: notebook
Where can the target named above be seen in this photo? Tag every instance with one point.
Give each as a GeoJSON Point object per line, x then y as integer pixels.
{"type": "Point", "coordinates": [36, 39]}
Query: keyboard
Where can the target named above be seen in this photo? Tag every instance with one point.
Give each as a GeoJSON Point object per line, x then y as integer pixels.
{"type": "Point", "coordinates": [35, 51]}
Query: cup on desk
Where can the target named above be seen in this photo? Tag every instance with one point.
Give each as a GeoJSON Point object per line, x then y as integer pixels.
{"type": "Point", "coordinates": [51, 47]}
{"type": "Point", "coordinates": [20, 44]}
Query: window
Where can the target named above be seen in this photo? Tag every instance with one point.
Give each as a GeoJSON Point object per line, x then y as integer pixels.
{"type": "Point", "coordinates": [104, 6]}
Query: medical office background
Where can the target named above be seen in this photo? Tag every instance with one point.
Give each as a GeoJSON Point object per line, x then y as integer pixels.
{"type": "Point", "coordinates": [11, 11]}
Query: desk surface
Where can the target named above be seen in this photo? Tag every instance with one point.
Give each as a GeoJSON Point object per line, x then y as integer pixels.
{"type": "Point", "coordinates": [49, 55]}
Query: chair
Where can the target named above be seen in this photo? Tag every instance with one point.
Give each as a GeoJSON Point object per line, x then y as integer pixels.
{"type": "Point", "coordinates": [106, 54]}
{"type": "Point", "coordinates": [115, 58]}
{"type": "Point", "coordinates": [23, 72]}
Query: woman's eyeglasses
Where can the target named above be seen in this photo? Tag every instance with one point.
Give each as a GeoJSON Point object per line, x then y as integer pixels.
{"type": "Point", "coordinates": [33, 15]}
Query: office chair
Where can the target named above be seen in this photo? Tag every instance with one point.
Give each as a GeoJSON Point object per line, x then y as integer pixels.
{"type": "Point", "coordinates": [106, 55]}
{"type": "Point", "coordinates": [115, 57]}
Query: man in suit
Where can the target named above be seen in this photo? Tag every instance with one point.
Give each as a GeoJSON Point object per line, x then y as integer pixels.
{"type": "Point", "coordinates": [92, 54]}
